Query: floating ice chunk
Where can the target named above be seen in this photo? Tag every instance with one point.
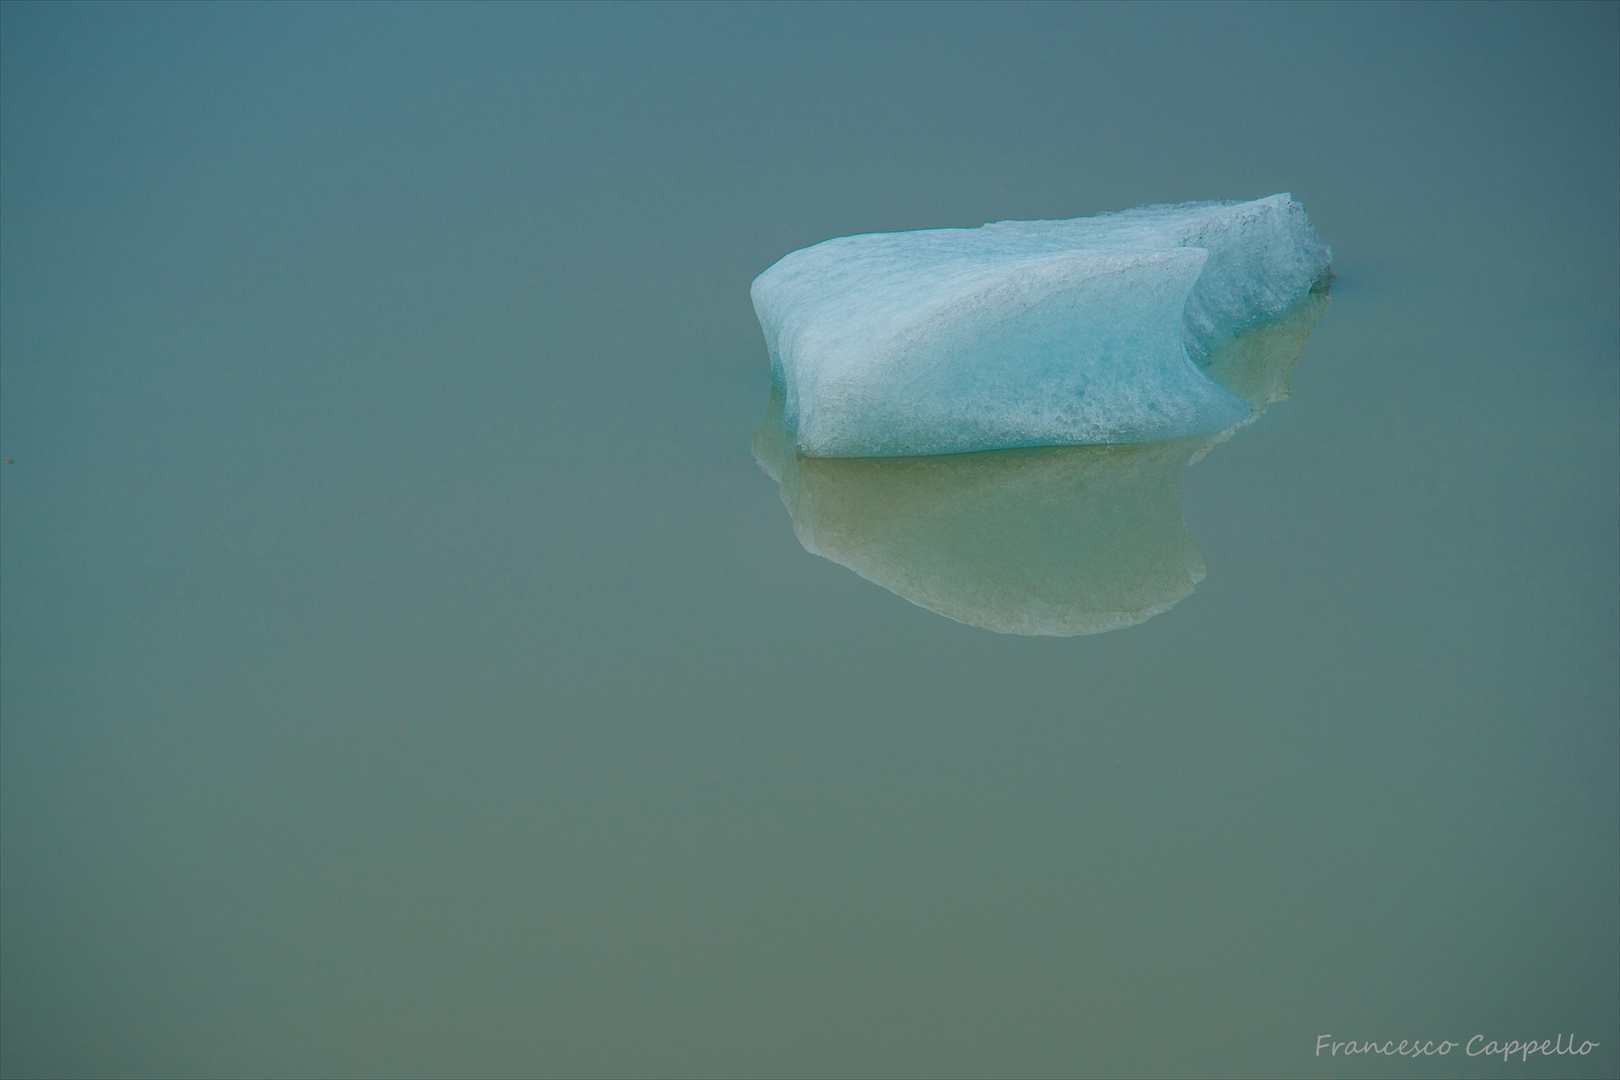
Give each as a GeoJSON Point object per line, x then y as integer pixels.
{"type": "Point", "coordinates": [1028, 333]}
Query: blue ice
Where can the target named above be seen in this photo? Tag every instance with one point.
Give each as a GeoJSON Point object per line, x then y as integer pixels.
{"type": "Point", "coordinates": [1028, 333]}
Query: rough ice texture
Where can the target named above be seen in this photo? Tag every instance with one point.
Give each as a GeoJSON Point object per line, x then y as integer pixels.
{"type": "Point", "coordinates": [1028, 333]}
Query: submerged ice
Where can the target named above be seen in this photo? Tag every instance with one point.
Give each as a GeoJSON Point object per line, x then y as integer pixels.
{"type": "Point", "coordinates": [1028, 333]}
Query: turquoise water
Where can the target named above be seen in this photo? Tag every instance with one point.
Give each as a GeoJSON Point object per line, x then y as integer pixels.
{"type": "Point", "coordinates": [405, 667]}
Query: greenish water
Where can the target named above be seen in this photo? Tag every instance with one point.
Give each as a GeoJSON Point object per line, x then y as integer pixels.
{"type": "Point", "coordinates": [405, 667]}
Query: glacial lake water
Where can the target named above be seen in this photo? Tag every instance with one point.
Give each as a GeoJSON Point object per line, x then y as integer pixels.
{"type": "Point", "coordinates": [406, 668]}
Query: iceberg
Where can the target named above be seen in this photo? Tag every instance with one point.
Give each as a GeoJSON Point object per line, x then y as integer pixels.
{"type": "Point", "coordinates": [1029, 333]}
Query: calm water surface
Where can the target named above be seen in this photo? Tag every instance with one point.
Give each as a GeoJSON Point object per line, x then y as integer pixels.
{"type": "Point", "coordinates": [407, 669]}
